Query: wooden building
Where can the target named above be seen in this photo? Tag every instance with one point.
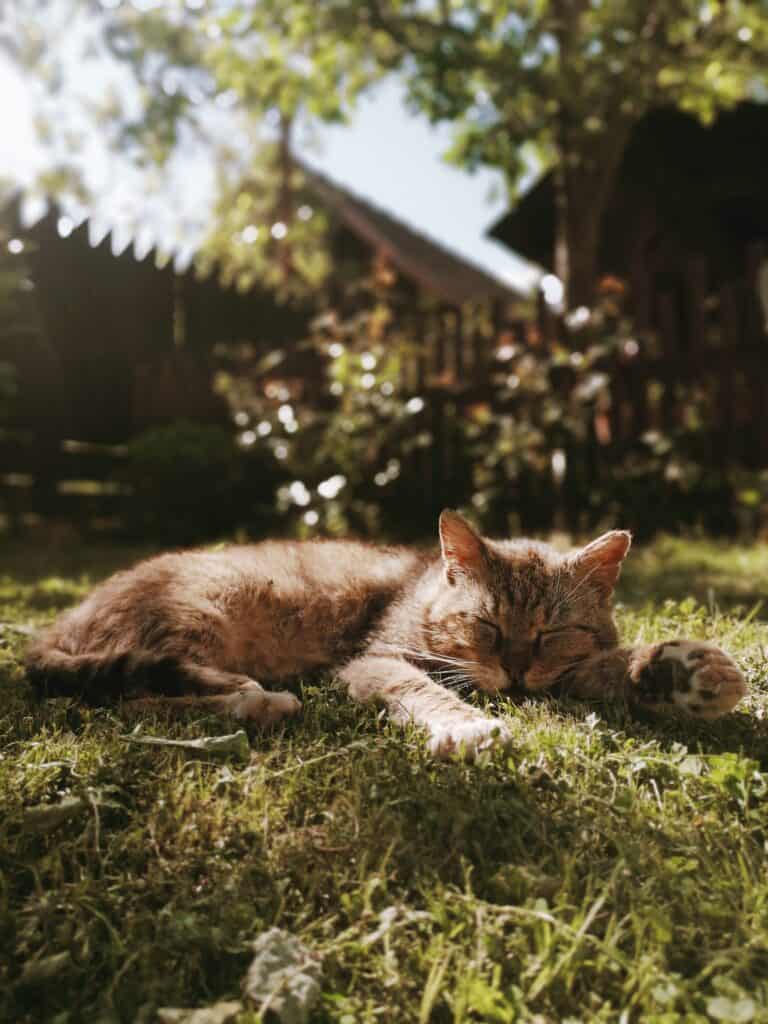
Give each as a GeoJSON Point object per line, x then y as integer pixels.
{"type": "Point", "coordinates": [685, 237]}
{"type": "Point", "coordinates": [126, 340]}
{"type": "Point", "coordinates": [689, 210]}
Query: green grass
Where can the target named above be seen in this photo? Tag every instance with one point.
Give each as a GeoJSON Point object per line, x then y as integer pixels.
{"type": "Point", "coordinates": [610, 869]}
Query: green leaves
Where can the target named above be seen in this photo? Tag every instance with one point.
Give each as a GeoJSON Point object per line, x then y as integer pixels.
{"type": "Point", "coordinates": [570, 79]}
{"type": "Point", "coordinates": [731, 1011]}
{"type": "Point", "coordinates": [46, 817]}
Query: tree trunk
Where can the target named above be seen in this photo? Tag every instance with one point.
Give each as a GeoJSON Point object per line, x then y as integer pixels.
{"type": "Point", "coordinates": [577, 237]}
{"type": "Point", "coordinates": [584, 182]}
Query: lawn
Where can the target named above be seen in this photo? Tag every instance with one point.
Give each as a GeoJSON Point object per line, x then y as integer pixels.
{"type": "Point", "coordinates": [610, 868]}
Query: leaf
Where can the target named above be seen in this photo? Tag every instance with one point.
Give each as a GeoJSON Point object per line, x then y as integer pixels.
{"type": "Point", "coordinates": [235, 745]}
{"type": "Point", "coordinates": [728, 770]}
{"type": "Point", "coordinates": [45, 817]}
{"type": "Point", "coordinates": [733, 1011]}
{"type": "Point", "coordinates": [665, 992]}
{"type": "Point", "coordinates": [681, 865]}
{"type": "Point", "coordinates": [387, 919]}
{"type": "Point", "coordinates": [284, 977]}
{"type": "Point", "coordinates": [219, 1013]}
{"type": "Point", "coordinates": [18, 627]}
{"type": "Point", "coordinates": [692, 764]}
{"type": "Point", "coordinates": [36, 971]}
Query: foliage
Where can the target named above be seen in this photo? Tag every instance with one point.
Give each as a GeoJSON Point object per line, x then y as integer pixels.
{"type": "Point", "coordinates": [607, 865]}
{"type": "Point", "coordinates": [550, 449]}
{"type": "Point", "coordinates": [189, 482]}
{"type": "Point", "coordinates": [561, 82]}
{"type": "Point", "coordinates": [356, 445]}
{"type": "Point", "coordinates": [535, 443]}
{"type": "Point", "coordinates": [268, 230]}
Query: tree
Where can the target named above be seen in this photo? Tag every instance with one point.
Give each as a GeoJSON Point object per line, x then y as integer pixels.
{"type": "Point", "coordinates": [563, 81]}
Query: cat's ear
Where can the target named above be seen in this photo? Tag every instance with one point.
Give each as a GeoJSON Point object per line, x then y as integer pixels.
{"type": "Point", "coordinates": [600, 561]}
{"type": "Point", "coordinates": [464, 553]}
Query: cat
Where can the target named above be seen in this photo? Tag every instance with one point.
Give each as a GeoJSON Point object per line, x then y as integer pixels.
{"type": "Point", "coordinates": [408, 628]}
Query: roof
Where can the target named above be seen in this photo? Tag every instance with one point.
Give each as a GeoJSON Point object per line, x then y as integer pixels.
{"type": "Point", "coordinates": [416, 255]}
{"type": "Point", "coordinates": [420, 258]}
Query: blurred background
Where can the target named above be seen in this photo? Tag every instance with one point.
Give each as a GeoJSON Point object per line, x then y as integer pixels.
{"type": "Point", "coordinates": [327, 267]}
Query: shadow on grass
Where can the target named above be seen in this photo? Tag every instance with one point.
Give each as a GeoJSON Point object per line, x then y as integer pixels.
{"type": "Point", "coordinates": [737, 733]}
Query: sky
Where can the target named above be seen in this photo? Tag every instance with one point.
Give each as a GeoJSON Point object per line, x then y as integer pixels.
{"type": "Point", "coordinates": [394, 158]}
{"type": "Point", "coordinates": [387, 154]}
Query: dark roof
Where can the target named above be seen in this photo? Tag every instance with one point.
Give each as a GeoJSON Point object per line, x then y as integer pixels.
{"type": "Point", "coordinates": [687, 172]}
{"type": "Point", "coordinates": [416, 255]}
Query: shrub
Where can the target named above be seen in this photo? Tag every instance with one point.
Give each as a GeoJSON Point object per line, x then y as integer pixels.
{"type": "Point", "coordinates": [536, 442]}
{"type": "Point", "coordinates": [190, 482]}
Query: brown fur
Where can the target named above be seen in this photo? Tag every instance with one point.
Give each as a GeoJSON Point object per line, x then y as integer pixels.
{"type": "Point", "coordinates": [408, 628]}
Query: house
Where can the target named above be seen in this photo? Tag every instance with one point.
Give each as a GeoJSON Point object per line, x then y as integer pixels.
{"type": "Point", "coordinates": [112, 317]}
{"type": "Point", "coordinates": [127, 336]}
{"type": "Point", "coordinates": [687, 217]}
{"type": "Point", "coordinates": [685, 236]}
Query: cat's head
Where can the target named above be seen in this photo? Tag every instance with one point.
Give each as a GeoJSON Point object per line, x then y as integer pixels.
{"type": "Point", "coordinates": [507, 613]}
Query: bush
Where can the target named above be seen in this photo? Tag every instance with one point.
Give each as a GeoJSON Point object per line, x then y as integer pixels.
{"type": "Point", "coordinates": [537, 441]}
{"type": "Point", "coordinates": [190, 482]}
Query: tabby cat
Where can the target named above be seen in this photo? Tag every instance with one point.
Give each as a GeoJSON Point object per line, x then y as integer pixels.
{"type": "Point", "coordinates": [408, 628]}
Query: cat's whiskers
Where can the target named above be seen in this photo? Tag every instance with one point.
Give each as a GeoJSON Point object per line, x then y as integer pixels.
{"type": "Point", "coordinates": [457, 675]}
{"type": "Point", "coordinates": [459, 683]}
{"type": "Point", "coordinates": [427, 655]}
{"type": "Point", "coordinates": [558, 597]}
{"type": "Point", "coordinates": [448, 674]}
{"type": "Point", "coordinates": [574, 590]}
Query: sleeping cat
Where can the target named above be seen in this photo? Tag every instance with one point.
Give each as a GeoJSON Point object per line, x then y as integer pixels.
{"type": "Point", "coordinates": [410, 629]}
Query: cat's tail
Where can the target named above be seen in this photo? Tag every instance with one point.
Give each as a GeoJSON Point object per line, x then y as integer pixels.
{"type": "Point", "coordinates": [99, 678]}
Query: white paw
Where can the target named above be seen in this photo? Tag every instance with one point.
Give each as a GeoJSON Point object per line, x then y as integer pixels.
{"type": "Point", "coordinates": [467, 737]}
{"type": "Point", "coordinates": [256, 704]}
{"type": "Point", "coordinates": [693, 676]}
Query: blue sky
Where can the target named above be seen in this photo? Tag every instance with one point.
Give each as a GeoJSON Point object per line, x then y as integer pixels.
{"type": "Point", "coordinates": [394, 158]}
{"type": "Point", "coordinates": [387, 154]}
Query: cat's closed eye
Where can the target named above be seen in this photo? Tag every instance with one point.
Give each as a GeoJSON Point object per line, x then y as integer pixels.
{"type": "Point", "coordinates": [488, 634]}
{"type": "Point", "coordinates": [568, 640]}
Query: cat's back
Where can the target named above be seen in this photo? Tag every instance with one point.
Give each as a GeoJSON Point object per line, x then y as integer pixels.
{"type": "Point", "coordinates": [243, 590]}
{"type": "Point", "coordinates": [285, 567]}
{"type": "Point", "coordinates": [331, 564]}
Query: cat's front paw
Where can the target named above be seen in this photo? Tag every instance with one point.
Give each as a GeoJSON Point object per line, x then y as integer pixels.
{"type": "Point", "coordinates": [467, 737]}
{"type": "Point", "coordinates": [691, 676]}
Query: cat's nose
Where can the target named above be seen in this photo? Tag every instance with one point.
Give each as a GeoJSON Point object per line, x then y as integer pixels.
{"type": "Point", "coordinates": [517, 661]}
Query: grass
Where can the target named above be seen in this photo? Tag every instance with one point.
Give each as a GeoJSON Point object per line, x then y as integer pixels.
{"type": "Point", "coordinates": [610, 868]}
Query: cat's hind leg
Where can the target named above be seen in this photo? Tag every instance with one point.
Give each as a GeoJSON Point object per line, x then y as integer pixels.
{"type": "Point", "coordinates": [157, 678]}
{"type": "Point", "coordinates": [236, 694]}
{"type": "Point", "coordinates": [264, 709]}
{"type": "Point", "coordinates": [187, 685]}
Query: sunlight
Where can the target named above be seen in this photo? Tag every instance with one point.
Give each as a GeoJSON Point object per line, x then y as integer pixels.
{"type": "Point", "coordinates": [19, 148]}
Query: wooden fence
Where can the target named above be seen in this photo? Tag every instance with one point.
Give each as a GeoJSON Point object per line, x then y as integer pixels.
{"type": "Point", "coordinates": [696, 364]}
{"type": "Point", "coordinates": [60, 480]}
